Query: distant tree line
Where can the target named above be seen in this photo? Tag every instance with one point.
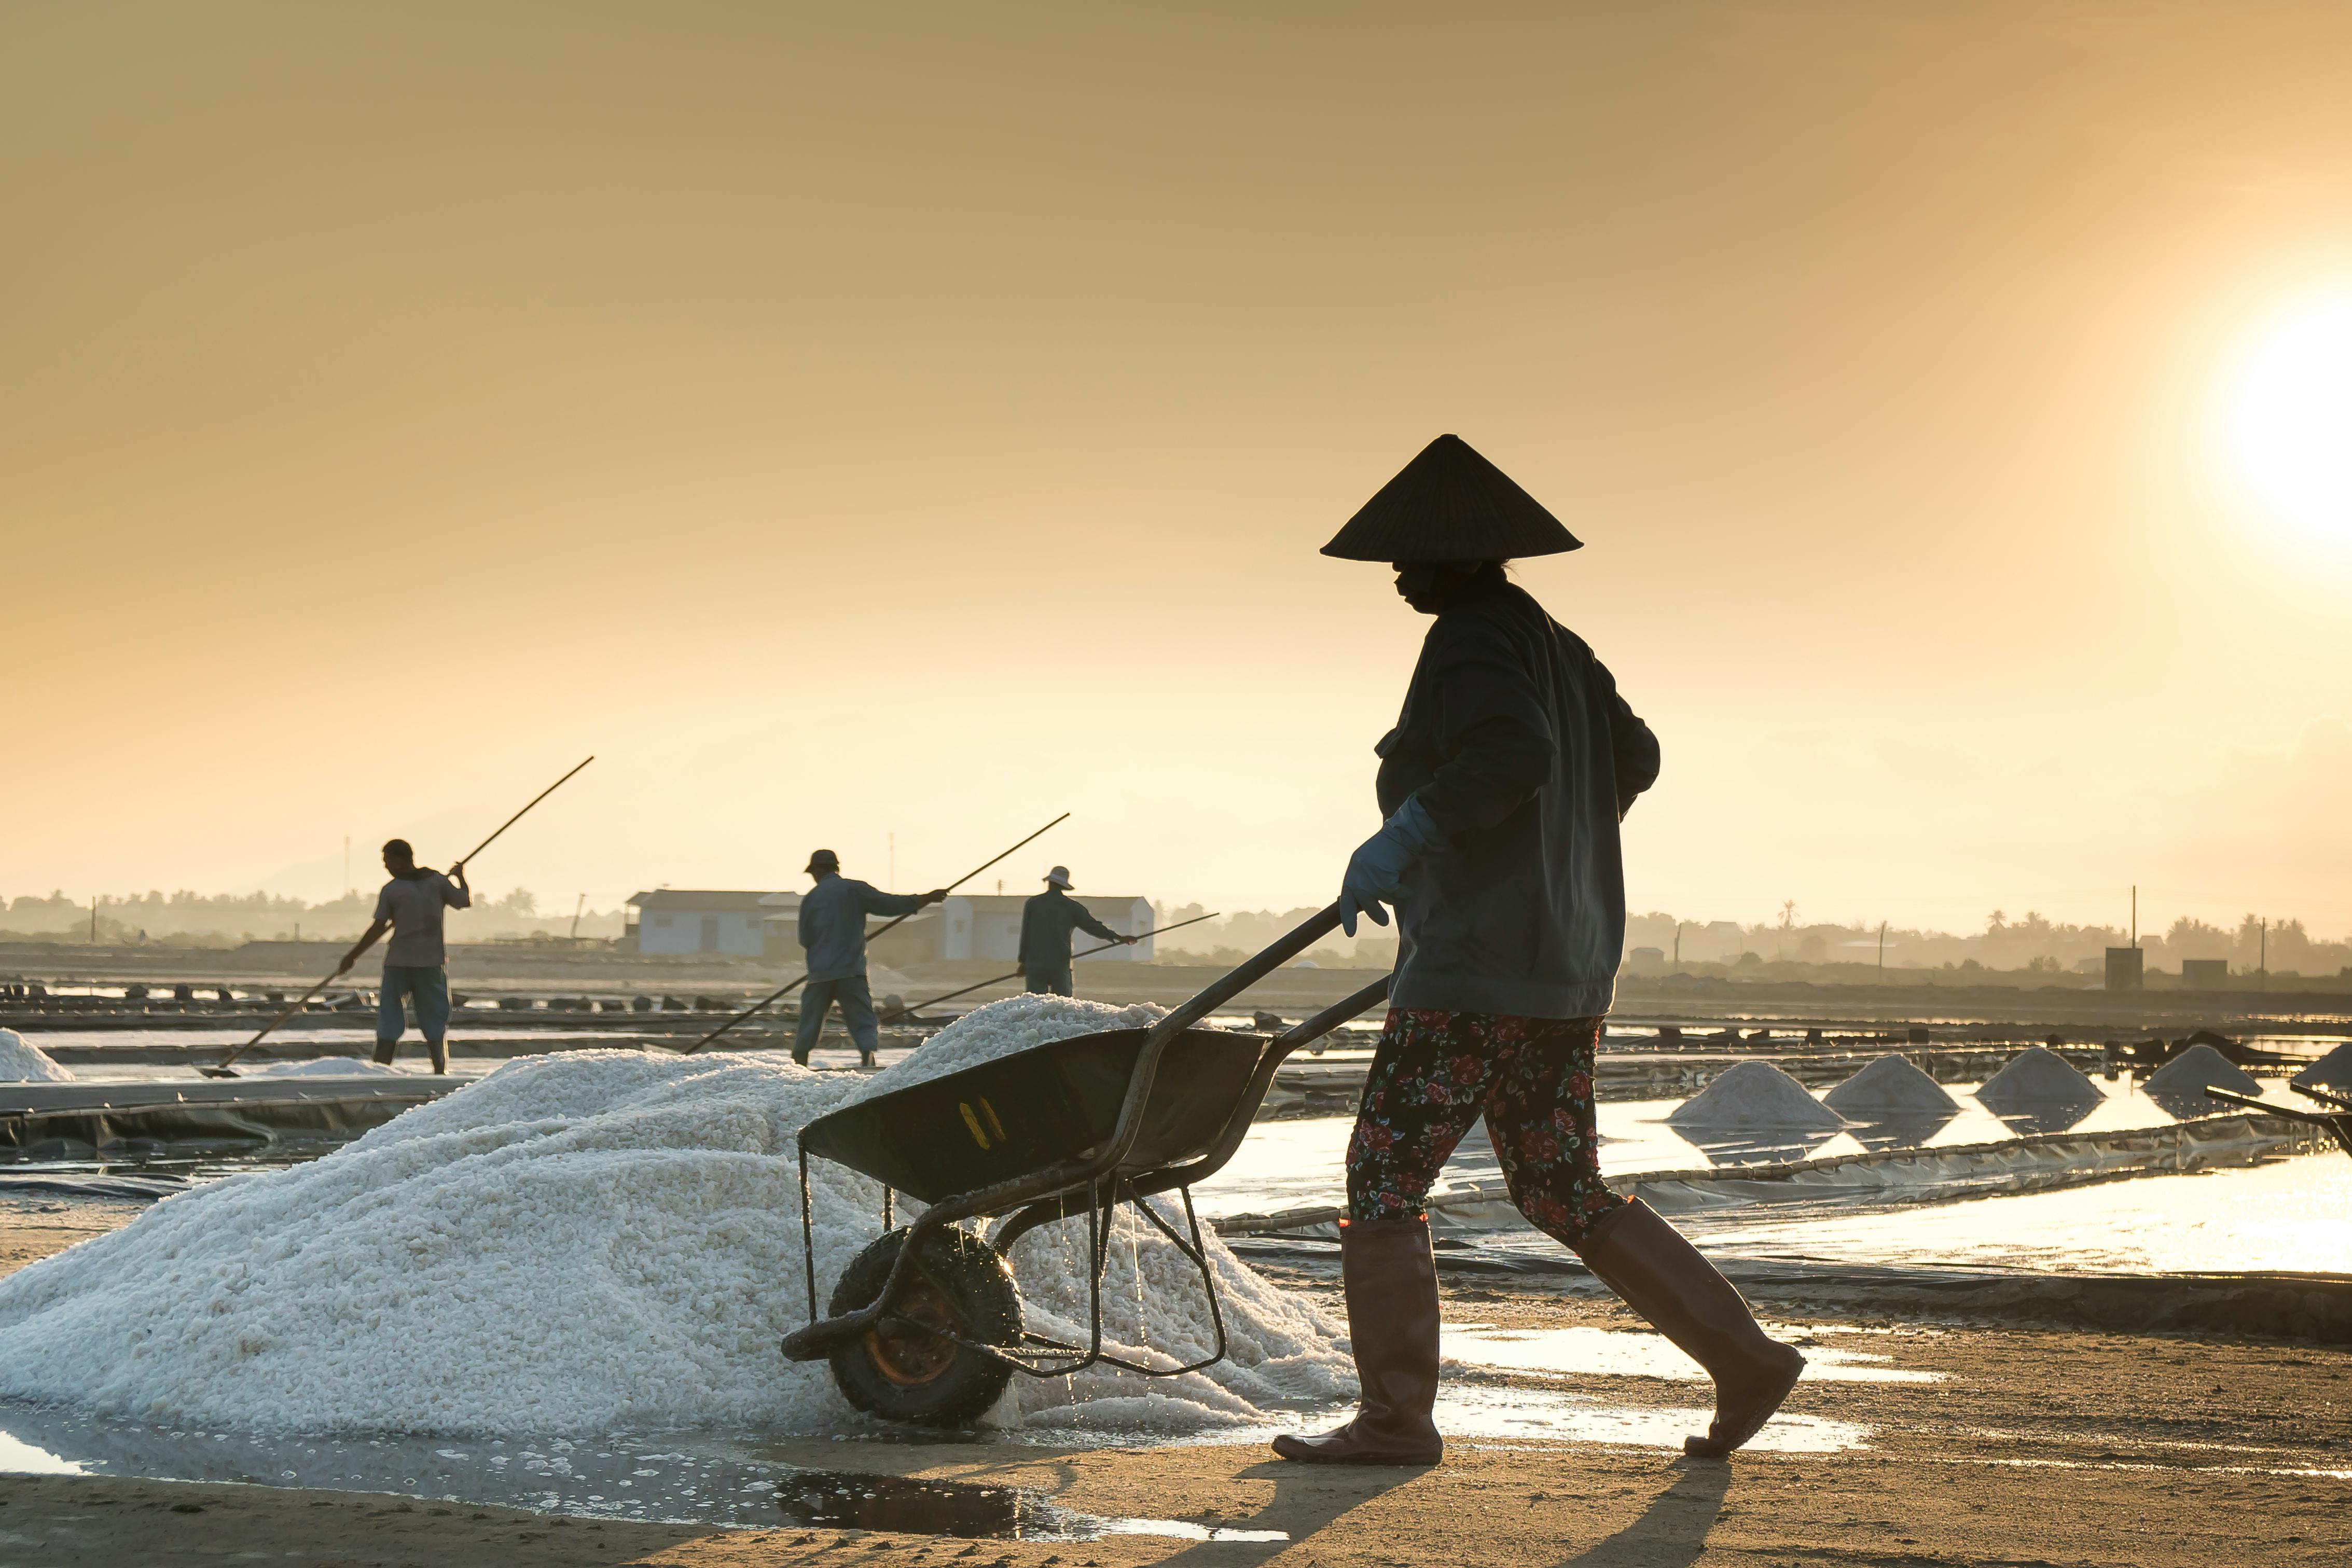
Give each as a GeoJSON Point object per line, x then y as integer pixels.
{"type": "Point", "coordinates": [187, 917]}
{"type": "Point", "coordinates": [2030, 943]}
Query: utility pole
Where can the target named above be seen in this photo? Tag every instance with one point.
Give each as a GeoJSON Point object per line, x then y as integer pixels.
{"type": "Point", "coordinates": [1882, 950]}
{"type": "Point", "coordinates": [2134, 925]}
{"type": "Point", "coordinates": [2263, 964]}
{"type": "Point", "coordinates": [93, 920]}
{"type": "Point", "coordinates": [575, 915]}
{"type": "Point", "coordinates": [1678, 944]}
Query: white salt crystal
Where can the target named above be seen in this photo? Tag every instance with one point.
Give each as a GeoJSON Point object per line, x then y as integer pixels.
{"type": "Point", "coordinates": [585, 1241]}
{"type": "Point", "coordinates": [1890, 1086]}
{"type": "Point", "coordinates": [1755, 1096]}
{"type": "Point", "coordinates": [23, 1063]}
{"type": "Point", "coordinates": [327, 1067]}
{"type": "Point", "coordinates": [1000, 1029]}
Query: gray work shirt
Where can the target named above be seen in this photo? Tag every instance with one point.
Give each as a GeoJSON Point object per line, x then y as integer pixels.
{"type": "Point", "coordinates": [1047, 922]}
{"type": "Point", "coordinates": [1516, 744]}
{"type": "Point", "coordinates": [414, 906]}
{"type": "Point", "coordinates": [833, 923]}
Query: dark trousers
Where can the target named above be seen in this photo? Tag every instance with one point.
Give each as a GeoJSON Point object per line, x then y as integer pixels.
{"type": "Point", "coordinates": [1055, 983]}
{"type": "Point", "coordinates": [857, 1002]}
{"type": "Point", "coordinates": [425, 987]}
{"type": "Point", "coordinates": [1434, 1075]}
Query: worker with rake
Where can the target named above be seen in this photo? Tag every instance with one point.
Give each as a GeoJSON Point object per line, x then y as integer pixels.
{"type": "Point", "coordinates": [833, 931]}
{"type": "Point", "coordinates": [1512, 763]}
{"type": "Point", "coordinates": [410, 907]}
{"type": "Point", "coordinates": [1047, 921]}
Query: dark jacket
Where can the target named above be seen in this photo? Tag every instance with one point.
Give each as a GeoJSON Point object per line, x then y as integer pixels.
{"type": "Point", "coordinates": [833, 923]}
{"type": "Point", "coordinates": [1515, 739]}
{"type": "Point", "coordinates": [1047, 922]}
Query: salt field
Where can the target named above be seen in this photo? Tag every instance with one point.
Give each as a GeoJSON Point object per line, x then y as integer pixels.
{"type": "Point", "coordinates": [611, 1236]}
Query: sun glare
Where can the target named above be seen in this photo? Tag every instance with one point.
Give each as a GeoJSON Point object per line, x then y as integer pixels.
{"type": "Point", "coordinates": [2294, 419]}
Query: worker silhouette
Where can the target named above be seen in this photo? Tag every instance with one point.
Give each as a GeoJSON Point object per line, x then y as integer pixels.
{"type": "Point", "coordinates": [410, 907]}
{"type": "Point", "coordinates": [832, 930]}
{"type": "Point", "coordinates": [1047, 922]}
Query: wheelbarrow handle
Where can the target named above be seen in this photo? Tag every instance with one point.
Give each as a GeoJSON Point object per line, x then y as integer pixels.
{"type": "Point", "coordinates": [1217, 993]}
{"type": "Point", "coordinates": [1330, 1018]}
{"type": "Point", "coordinates": [1225, 989]}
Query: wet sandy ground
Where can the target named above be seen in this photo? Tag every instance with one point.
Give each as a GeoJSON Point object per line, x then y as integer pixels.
{"type": "Point", "coordinates": [1940, 1442]}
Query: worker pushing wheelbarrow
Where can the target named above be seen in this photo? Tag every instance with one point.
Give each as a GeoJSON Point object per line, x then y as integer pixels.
{"type": "Point", "coordinates": [1512, 762]}
{"type": "Point", "coordinates": [925, 1325]}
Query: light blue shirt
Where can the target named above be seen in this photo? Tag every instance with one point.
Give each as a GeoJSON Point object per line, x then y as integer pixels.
{"type": "Point", "coordinates": [833, 923]}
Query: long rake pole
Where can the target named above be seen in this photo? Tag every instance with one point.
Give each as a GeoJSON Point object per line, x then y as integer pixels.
{"type": "Point", "coordinates": [782, 991]}
{"type": "Point", "coordinates": [1105, 948]}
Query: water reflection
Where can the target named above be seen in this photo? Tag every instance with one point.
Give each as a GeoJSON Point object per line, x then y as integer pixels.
{"type": "Point", "coordinates": [1774, 1149]}
{"type": "Point", "coordinates": [1906, 1132]}
{"type": "Point", "coordinates": [1467, 1410]}
{"type": "Point", "coordinates": [2058, 1116]}
{"type": "Point", "coordinates": [1583, 1351]}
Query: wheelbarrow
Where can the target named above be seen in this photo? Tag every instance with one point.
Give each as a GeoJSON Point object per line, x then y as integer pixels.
{"type": "Point", "coordinates": [924, 1326]}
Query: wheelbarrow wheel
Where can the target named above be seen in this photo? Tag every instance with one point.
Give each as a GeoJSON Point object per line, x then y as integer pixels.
{"type": "Point", "coordinates": [899, 1372]}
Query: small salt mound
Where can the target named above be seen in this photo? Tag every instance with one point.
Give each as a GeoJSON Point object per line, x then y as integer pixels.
{"type": "Point", "coordinates": [1753, 1095]}
{"type": "Point", "coordinates": [2035, 1080]}
{"type": "Point", "coordinates": [591, 1240]}
{"type": "Point", "coordinates": [21, 1063]}
{"type": "Point", "coordinates": [1890, 1086]}
{"type": "Point", "coordinates": [2332, 1072]}
{"type": "Point", "coordinates": [1000, 1029]}
{"type": "Point", "coordinates": [2200, 1068]}
{"type": "Point", "coordinates": [327, 1067]}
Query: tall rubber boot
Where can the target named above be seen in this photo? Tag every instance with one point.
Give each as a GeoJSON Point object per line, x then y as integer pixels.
{"type": "Point", "coordinates": [1661, 1276]}
{"type": "Point", "coordinates": [383, 1050]}
{"type": "Point", "coordinates": [440, 1049]}
{"type": "Point", "coordinates": [1392, 1287]}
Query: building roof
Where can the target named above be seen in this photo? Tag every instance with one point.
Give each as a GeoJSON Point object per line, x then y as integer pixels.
{"type": "Point", "coordinates": [698, 899]}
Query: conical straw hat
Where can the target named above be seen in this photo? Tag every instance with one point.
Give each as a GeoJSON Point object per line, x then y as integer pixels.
{"type": "Point", "coordinates": [1451, 504]}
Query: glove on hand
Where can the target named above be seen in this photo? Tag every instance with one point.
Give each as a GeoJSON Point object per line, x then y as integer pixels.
{"type": "Point", "coordinates": [1376, 871]}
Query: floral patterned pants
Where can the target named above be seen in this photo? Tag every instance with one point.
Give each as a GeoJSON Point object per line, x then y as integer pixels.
{"type": "Point", "coordinates": [1433, 1076]}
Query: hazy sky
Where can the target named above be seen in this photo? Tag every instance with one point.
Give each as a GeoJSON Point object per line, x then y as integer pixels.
{"type": "Point", "coordinates": [923, 419]}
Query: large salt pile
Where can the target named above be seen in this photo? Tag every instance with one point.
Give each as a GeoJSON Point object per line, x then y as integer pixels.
{"type": "Point", "coordinates": [23, 1062]}
{"type": "Point", "coordinates": [2187, 1076]}
{"type": "Point", "coordinates": [1754, 1097]}
{"type": "Point", "coordinates": [593, 1240]}
{"type": "Point", "coordinates": [1890, 1087]}
{"type": "Point", "coordinates": [2037, 1080]}
{"type": "Point", "coordinates": [2332, 1072]}
{"type": "Point", "coordinates": [1000, 1029]}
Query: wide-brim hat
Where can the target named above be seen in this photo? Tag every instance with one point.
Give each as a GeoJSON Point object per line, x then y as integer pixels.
{"type": "Point", "coordinates": [1450, 504]}
{"type": "Point", "coordinates": [822, 860]}
{"type": "Point", "coordinates": [1059, 876]}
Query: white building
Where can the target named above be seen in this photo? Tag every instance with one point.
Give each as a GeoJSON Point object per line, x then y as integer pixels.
{"type": "Point", "coordinates": [982, 926]}
{"type": "Point", "coordinates": [692, 920]}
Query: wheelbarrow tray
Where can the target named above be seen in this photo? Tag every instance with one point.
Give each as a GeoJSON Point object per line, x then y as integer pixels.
{"type": "Point", "coordinates": [1023, 1112]}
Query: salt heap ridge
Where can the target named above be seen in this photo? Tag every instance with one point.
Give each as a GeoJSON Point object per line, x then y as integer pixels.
{"type": "Point", "coordinates": [2188, 1075]}
{"type": "Point", "coordinates": [593, 1240]}
{"type": "Point", "coordinates": [1003, 1028]}
{"type": "Point", "coordinates": [2038, 1080]}
{"type": "Point", "coordinates": [2332, 1072]}
{"type": "Point", "coordinates": [1890, 1087]}
{"type": "Point", "coordinates": [21, 1061]}
{"type": "Point", "coordinates": [1755, 1097]}
{"type": "Point", "coordinates": [327, 1067]}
